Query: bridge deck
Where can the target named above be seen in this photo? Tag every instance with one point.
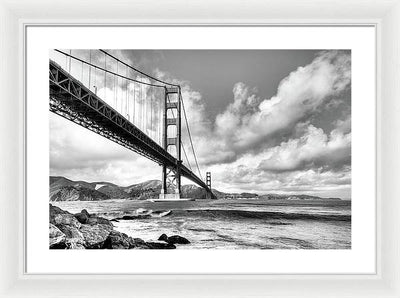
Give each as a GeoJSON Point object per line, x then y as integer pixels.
{"type": "Point", "coordinates": [70, 99]}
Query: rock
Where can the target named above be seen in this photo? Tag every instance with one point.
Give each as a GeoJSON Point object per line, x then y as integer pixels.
{"type": "Point", "coordinates": [56, 238]}
{"type": "Point", "coordinates": [85, 231]}
{"type": "Point", "coordinates": [74, 237]}
{"type": "Point", "coordinates": [55, 210]}
{"type": "Point", "coordinates": [68, 225]}
{"type": "Point", "coordinates": [130, 217]}
{"type": "Point", "coordinates": [117, 240]}
{"type": "Point", "coordinates": [160, 245]}
{"type": "Point", "coordinates": [175, 239]}
{"type": "Point", "coordinates": [75, 245]}
{"type": "Point", "coordinates": [58, 217]}
{"type": "Point", "coordinates": [66, 219]}
{"type": "Point", "coordinates": [163, 237]}
{"type": "Point", "coordinates": [137, 243]}
{"type": "Point", "coordinates": [95, 235]}
{"type": "Point", "coordinates": [82, 216]}
{"type": "Point", "coordinates": [94, 220]}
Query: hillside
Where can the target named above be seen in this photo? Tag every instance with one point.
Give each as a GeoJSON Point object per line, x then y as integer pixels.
{"type": "Point", "coordinates": [63, 189]}
{"type": "Point", "coordinates": [76, 193]}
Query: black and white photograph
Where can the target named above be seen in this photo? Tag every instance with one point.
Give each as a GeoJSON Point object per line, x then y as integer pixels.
{"type": "Point", "coordinates": [200, 149]}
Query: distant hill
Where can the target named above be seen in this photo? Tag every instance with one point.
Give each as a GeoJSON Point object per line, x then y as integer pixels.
{"type": "Point", "coordinates": [294, 197]}
{"type": "Point", "coordinates": [63, 189]}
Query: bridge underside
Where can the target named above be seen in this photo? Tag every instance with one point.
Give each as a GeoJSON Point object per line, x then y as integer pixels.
{"type": "Point", "coordinates": [70, 99]}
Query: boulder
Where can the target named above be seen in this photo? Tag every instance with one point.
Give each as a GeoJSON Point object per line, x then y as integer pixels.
{"type": "Point", "coordinates": [53, 211]}
{"type": "Point", "coordinates": [74, 237]}
{"type": "Point", "coordinates": [58, 217]}
{"type": "Point", "coordinates": [56, 238]}
{"type": "Point", "coordinates": [175, 239]}
{"type": "Point", "coordinates": [95, 235]}
{"type": "Point", "coordinates": [68, 225]}
{"type": "Point", "coordinates": [137, 243]}
{"type": "Point", "coordinates": [66, 219]}
{"type": "Point", "coordinates": [163, 237]}
{"type": "Point", "coordinates": [117, 240]}
{"type": "Point", "coordinates": [82, 216]}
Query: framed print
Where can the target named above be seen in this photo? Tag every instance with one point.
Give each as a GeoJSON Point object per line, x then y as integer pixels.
{"type": "Point", "coordinates": [285, 168]}
{"type": "Point", "coordinates": [156, 152]}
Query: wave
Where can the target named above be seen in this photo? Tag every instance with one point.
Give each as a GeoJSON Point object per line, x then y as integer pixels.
{"type": "Point", "coordinates": [220, 213]}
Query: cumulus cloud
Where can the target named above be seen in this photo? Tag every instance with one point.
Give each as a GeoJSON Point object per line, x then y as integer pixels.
{"type": "Point", "coordinates": [245, 175]}
{"type": "Point", "coordinates": [249, 121]}
{"type": "Point", "coordinates": [314, 149]}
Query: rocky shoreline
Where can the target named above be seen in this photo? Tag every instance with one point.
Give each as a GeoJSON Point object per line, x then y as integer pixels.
{"type": "Point", "coordinates": [88, 231]}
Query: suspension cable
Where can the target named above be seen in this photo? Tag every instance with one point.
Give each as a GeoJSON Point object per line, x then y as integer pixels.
{"type": "Point", "coordinates": [108, 71]}
{"type": "Point", "coordinates": [187, 160]}
{"type": "Point", "coordinates": [190, 136]}
{"type": "Point", "coordinates": [137, 70]}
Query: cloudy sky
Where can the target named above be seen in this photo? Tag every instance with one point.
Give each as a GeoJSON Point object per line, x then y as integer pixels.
{"type": "Point", "coordinates": [266, 121]}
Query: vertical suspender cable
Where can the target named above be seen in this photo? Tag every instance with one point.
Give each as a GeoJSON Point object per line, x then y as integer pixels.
{"type": "Point", "coordinates": [141, 106]}
{"type": "Point", "coordinates": [127, 95]}
{"type": "Point", "coordinates": [151, 114]}
{"type": "Point", "coordinates": [95, 81]}
{"type": "Point", "coordinates": [90, 67]}
{"type": "Point", "coordinates": [105, 77]}
{"type": "Point", "coordinates": [134, 103]}
{"type": "Point", "coordinates": [116, 89]}
{"type": "Point", "coordinates": [70, 54]}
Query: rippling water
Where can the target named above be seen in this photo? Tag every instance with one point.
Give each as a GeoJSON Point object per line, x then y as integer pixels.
{"type": "Point", "coordinates": [234, 224]}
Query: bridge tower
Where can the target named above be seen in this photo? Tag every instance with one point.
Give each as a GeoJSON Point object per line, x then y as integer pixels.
{"type": "Point", "coordinates": [209, 194]}
{"type": "Point", "coordinates": [171, 177]}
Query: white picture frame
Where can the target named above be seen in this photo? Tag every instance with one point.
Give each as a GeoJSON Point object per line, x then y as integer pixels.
{"type": "Point", "coordinates": [15, 16]}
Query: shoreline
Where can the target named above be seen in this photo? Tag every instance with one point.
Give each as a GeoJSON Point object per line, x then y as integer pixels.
{"type": "Point", "coordinates": [229, 225]}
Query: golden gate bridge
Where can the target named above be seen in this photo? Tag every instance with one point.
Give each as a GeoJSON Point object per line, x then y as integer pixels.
{"type": "Point", "coordinates": [106, 95]}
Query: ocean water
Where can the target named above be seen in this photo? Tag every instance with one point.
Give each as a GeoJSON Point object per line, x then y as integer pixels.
{"type": "Point", "coordinates": [234, 224]}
